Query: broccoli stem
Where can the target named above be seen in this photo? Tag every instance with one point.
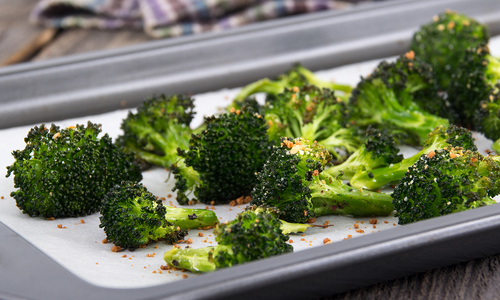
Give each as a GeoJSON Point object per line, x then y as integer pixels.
{"type": "Point", "coordinates": [312, 79]}
{"type": "Point", "coordinates": [331, 196]}
{"type": "Point", "coordinates": [402, 113]}
{"type": "Point", "coordinates": [186, 179]}
{"type": "Point", "coordinates": [275, 87]}
{"type": "Point", "coordinates": [192, 259]}
{"type": "Point", "coordinates": [190, 217]}
{"type": "Point", "coordinates": [493, 69]}
{"type": "Point", "coordinates": [379, 177]}
{"type": "Point", "coordinates": [342, 138]}
{"type": "Point", "coordinates": [261, 86]}
{"type": "Point", "coordinates": [287, 227]}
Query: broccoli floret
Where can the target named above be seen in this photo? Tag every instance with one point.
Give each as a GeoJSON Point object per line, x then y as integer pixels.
{"type": "Point", "coordinates": [66, 172]}
{"type": "Point", "coordinates": [378, 150]}
{"type": "Point", "coordinates": [221, 161]}
{"type": "Point", "coordinates": [477, 75]}
{"type": "Point", "coordinates": [488, 117]}
{"type": "Point", "coordinates": [314, 114]}
{"type": "Point", "coordinates": [394, 96]}
{"type": "Point", "coordinates": [441, 137]}
{"type": "Point", "coordinates": [159, 127]}
{"type": "Point", "coordinates": [293, 181]}
{"type": "Point", "coordinates": [446, 181]}
{"type": "Point", "coordinates": [132, 216]}
{"type": "Point", "coordinates": [249, 237]}
{"type": "Point", "coordinates": [441, 43]}
{"type": "Point", "coordinates": [297, 76]}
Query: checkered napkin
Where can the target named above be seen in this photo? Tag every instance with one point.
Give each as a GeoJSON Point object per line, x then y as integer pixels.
{"type": "Point", "coordinates": [169, 18]}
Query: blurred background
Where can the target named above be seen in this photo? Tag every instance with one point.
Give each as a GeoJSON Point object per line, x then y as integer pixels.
{"type": "Point", "coordinates": [33, 30]}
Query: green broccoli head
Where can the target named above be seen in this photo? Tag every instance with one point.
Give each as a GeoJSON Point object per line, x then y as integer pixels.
{"type": "Point", "coordinates": [221, 161]}
{"type": "Point", "coordinates": [441, 42]}
{"type": "Point", "coordinates": [446, 181]}
{"type": "Point", "coordinates": [378, 150]}
{"type": "Point", "coordinates": [315, 114]}
{"type": "Point", "coordinates": [132, 217]}
{"type": "Point", "coordinates": [451, 136]}
{"type": "Point", "coordinates": [158, 128]}
{"type": "Point", "coordinates": [251, 236]}
{"type": "Point", "coordinates": [66, 172]}
{"type": "Point", "coordinates": [488, 115]}
{"type": "Point", "coordinates": [477, 75]}
{"type": "Point", "coordinates": [400, 95]}
{"type": "Point", "coordinates": [284, 181]}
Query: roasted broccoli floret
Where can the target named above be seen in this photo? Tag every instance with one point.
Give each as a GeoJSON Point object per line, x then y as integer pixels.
{"type": "Point", "coordinates": [132, 216]}
{"type": "Point", "coordinates": [441, 137]}
{"type": "Point", "coordinates": [158, 128]}
{"type": "Point", "coordinates": [293, 181]}
{"type": "Point", "coordinates": [399, 95]}
{"type": "Point", "coordinates": [446, 181]}
{"type": "Point", "coordinates": [221, 161]}
{"type": "Point", "coordinates": [314, 114]}
{"type": "Point", "coordinates": [378, 150]}
{"type": "Point", "coordinates": [66, 172]}
{"type": "Point", "coordinates": [477, 75]}
{"type": "Point", "coordinates": [488, 117]}
{"type": "Point", "coordinates": [297, 76]}
{"type": "Point", "coordinates": [442, 42]}
{"type": "Point", "coordinates": [249, 237]}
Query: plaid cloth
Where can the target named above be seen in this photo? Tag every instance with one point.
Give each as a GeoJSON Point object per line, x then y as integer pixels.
{"type": "Point", "coordinates": [169, 18]}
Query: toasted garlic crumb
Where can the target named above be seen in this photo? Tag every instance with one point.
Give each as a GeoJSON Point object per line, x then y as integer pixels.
{"type": "Point", "coordinates": [410, 55]}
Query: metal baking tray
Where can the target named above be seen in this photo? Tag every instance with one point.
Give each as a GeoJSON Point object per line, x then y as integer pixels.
{"type": "Point", "coordinates": [105, 81]}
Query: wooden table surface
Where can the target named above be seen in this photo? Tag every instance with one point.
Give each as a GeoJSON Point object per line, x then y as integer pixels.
{"type": "Point", "coordinates": [21, 41]}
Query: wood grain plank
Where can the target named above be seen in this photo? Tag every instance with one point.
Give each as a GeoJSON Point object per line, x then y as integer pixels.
{"type": "Point", "coordinates": [15, 30]}
{"type": "Point", "coordinates": [476, 279]}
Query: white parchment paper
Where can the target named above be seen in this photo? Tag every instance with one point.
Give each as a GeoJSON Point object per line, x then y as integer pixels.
{"type": "Point", "coordinates": [78, 246]}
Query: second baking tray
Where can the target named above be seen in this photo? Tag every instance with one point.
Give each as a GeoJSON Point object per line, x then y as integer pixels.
{"type": "Point", "coordinates": [96, 83]}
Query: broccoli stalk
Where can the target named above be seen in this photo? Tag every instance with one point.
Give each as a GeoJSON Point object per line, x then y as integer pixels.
{"type": "Point", "coordinates": [190, 218]}
{"type": "Point", "coordinates": [378, 150]}
{"type": "Point", "coordinates": [221, 161]}
{"type": "Point", "coordinates": [132, 216]}
{"type": "Point", "coordinates": [249, 237]}
{"type": "Point", "coordinates": [446, 181]}
{"type": "Point", "coordinates": [297, 76]}
{"type": "Point", "coordinates": [401, 95]}
{"type": "Point", "coordinates": [66, 172]}
{"type": "Point", "coordinates": [159, 127]}
{"type": "Point", "coordinates": [374, 179]}
{"type": "Point", "coordinates": [286, 227]}
{"type": "Point", "coordinates": [294, 182]}
{"type": "Point", "coordinates": [193, 259]}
